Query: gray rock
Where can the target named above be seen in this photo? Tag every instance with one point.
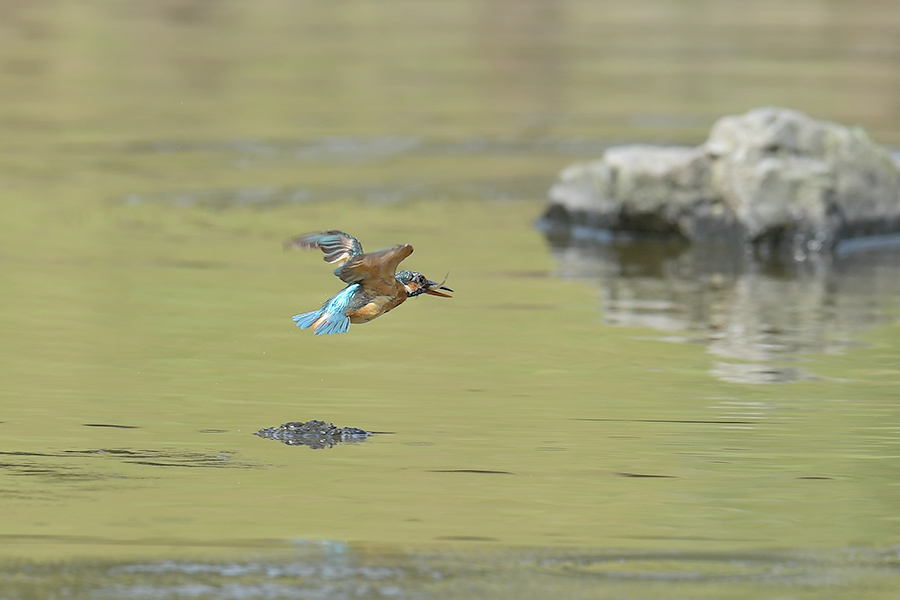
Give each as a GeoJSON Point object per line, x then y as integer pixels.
{"type": "Point", "coordinates": [314, 434]}
{"type": "Point", "coordinates": [773, 178]}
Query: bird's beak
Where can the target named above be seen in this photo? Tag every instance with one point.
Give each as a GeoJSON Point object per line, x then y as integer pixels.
{"type": "Point", "coordinates": [434, 286]}
{"type": "Point", "coordinates": [435, 292]}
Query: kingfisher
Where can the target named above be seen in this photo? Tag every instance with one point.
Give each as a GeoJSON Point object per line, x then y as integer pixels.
{"type": "Point", "coordinates": [375, 286]}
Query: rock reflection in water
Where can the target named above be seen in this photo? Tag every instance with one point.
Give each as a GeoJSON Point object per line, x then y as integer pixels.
{"type": "Point", "coordinates": [753, 314]}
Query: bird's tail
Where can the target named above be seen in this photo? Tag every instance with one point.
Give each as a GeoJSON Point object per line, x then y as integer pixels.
{"type": "Point", "coordinates": [332, 317]}
{"type": "Point", "coordinates": [323, 322]}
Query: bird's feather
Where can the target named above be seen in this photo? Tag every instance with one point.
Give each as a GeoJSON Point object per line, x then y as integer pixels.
{"type": "Point", "coordinates": [374, 269]}
{"type": "Point", "coordinates": [332, 317]}
{"type": "Point", "coordinates": [339, 247]}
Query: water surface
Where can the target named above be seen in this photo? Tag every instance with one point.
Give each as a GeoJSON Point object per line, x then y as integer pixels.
{"type": "Point", "coordinates": [579, 420]}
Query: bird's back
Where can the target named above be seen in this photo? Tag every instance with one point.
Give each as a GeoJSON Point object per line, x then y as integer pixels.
{"type": "Point", "coordinates": [375, 271]}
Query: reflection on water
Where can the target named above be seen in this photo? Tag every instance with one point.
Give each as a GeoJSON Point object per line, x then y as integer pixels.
{"type": "Point", "coordinates": [271, 196]}
{"type": "Point", "coordinates": [753, 316]}
{"type": "Point", "coordinates": [347, 152]}
{"type": "Point", "coordinates": [80, 465]}
{"type": "Point", "coordinates": [338, 570]}
{"type": "Point", "coordinates": [355, 150]}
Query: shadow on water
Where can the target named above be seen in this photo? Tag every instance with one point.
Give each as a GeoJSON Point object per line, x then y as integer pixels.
{"type": "Point", "coordinates": [757, 315]}
{"type": "Point", "coordinates": [339, 570]}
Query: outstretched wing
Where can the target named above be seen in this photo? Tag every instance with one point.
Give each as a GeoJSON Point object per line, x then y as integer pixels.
{"type": "Point", "coordinates": [374, 271]}
{"type": "Point", "coordinates": [339, 247]}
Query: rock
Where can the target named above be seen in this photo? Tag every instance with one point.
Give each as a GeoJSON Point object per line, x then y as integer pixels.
{"type": "Point", "coordinates": [315, 434]}
{"type": "Point", "coordinates": [773, 179]}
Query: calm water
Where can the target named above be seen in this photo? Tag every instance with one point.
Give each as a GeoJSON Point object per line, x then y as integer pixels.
{"type": "Point", "coordinates": [580, 420]}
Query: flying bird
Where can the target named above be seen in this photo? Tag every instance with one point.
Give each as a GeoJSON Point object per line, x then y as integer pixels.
{"type": "Point", "coordinates": [375, 286]}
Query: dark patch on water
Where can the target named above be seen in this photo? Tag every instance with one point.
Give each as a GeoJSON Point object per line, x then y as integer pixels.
{"type": "Point", "coordinates": [466, 538]}
{"type": "Point", "coordinates": [679, 421]}
{"type": "Point", "coordinates": [478, 471]}
{"type": "Point", "coordinates": [74, 466]}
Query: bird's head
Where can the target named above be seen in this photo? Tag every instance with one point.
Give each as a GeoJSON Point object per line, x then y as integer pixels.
{"type": "Point", "coordinates": [416, 283]}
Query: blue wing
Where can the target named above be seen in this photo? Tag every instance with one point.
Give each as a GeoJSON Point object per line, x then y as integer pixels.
{"type": "Point", "coordinates": [332, 317]}
{"type": "Point", "coordinates": [339, 247]}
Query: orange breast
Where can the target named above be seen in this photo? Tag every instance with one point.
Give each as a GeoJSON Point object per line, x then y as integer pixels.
{"type": "Point", "coordinates": [375, 308]}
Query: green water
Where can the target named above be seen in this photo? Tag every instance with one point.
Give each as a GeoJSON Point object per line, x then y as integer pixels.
{"type": "Point", "coordinates": [544, 430]}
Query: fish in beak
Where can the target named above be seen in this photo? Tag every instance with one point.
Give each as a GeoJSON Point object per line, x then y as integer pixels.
{"type": "Point", "coordinates": [432, 287]}
{"type": "Point", "coordinates": [434, 291]}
